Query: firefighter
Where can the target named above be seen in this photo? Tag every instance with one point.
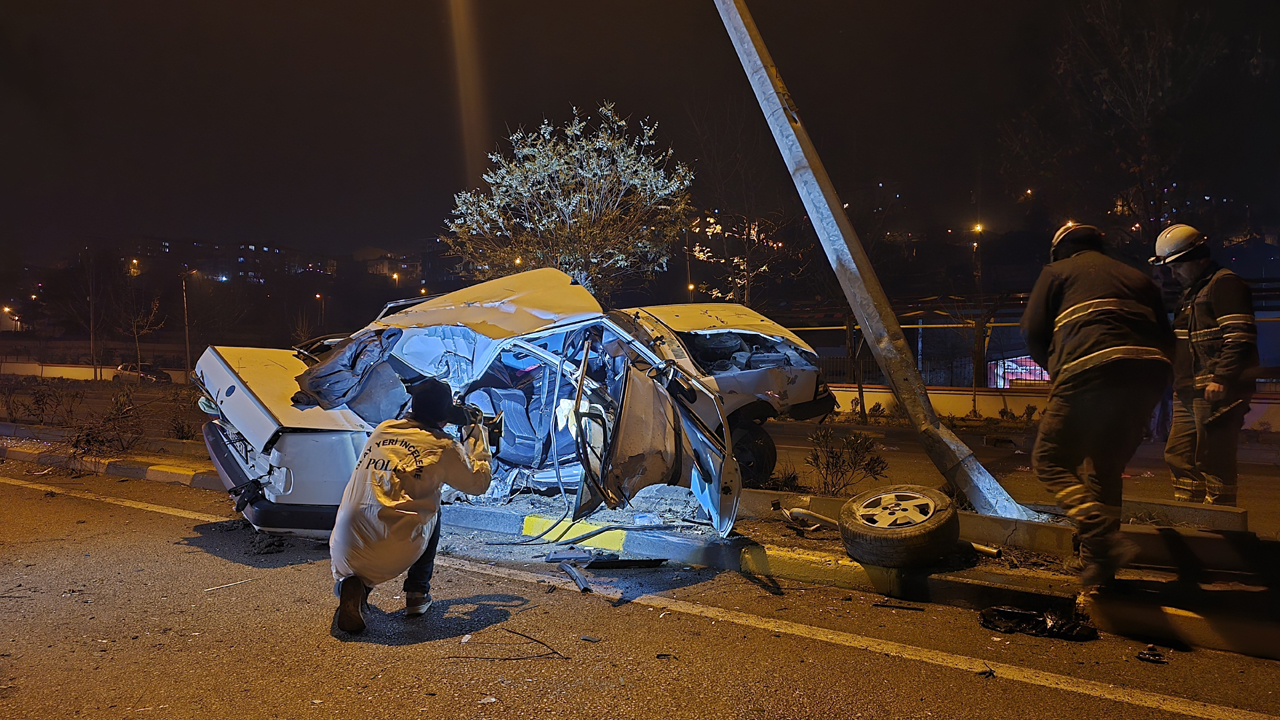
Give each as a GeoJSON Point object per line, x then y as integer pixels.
{"type": "Point", "coordinates": [1099, 328]}
{"type": "Point", "coordinates": [1217, 344]}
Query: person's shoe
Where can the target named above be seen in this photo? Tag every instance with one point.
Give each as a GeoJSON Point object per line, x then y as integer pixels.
{"type": "Point", "coordinates": [416, 604]}
{"type": "Point", "coordinates": [352, 594]}
{"type": "Point", "coordinates": [1099, 569]}
{"type": "Point", "coordinates": [1097, 575]}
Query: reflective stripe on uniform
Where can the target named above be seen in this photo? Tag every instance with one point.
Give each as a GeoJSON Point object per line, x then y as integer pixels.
{"type": "Point", "coordinates": [1236, 318]}
{"type": "Point", "coordinates": [1079, 310]}
{"type": "Point", "coordinates": [1182, 334]}
{"type": "Point", "coordinates": [1071, 495]}
{"type": "Point", "coordinates": [1207, 334]}
{"type": "Point", "coordinates": [1126, 352]}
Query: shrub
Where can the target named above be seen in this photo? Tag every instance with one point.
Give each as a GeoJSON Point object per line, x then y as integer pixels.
{"type": "Point", "coordinates": [842, 462]}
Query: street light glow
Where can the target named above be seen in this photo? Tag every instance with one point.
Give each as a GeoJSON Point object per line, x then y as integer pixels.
{"type": "Point", "coordinates": [518, 261]}
{"type": "Point", "coordinates": [690, 288]}
{"type": "Point", "coordinates": [317, 296]}
{"type": "Point", "coordinates": [977, 228]}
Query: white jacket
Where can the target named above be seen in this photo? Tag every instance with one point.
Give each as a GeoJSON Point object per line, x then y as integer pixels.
{"type": "Point", "coordinates": [392, 501]}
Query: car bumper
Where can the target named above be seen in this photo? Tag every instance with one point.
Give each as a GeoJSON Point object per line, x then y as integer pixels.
{"type": "Point", "coordinates": [284, 518]}
{"type": "Point", "coordinates": [817, 407]}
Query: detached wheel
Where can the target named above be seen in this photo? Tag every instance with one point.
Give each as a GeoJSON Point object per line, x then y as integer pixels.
{"type": "Point", "coordinates": [755, 452]}
{"type": "Point", "coordinates": [899, 526]}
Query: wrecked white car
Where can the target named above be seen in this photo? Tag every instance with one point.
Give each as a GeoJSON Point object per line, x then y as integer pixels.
{"type": "Point", "coordinates": [759, 369]}
{"type": "Point", "coordinates": [580, 401]}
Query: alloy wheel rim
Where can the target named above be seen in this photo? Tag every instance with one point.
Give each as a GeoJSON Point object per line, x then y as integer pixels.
{"type": "Point", "coordinates": [896, 509]}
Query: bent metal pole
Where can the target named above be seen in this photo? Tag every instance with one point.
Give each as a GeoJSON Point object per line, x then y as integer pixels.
{"type": "Point", "coordinates": [861, 287]}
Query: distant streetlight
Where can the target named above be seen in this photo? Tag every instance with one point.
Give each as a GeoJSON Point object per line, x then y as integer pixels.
{"type": "Point", "coordinates": [396, 277]}
{"type": "Point", "coordinates": [422, 291]}
{"type": "Point", "coordinates": [1028, 191]}
{"type": "Point", "coordinates": [321, 299]}
{"type": "Point", "coordinates": [518, 261]}
{"type": "Point", "coordinates": [8, 309]}
{"type": "Point", "coordinates": [977, 260]}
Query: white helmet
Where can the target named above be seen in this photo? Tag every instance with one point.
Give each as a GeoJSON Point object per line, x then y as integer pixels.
{"type": "Point", "coordinates": [1176, 241]}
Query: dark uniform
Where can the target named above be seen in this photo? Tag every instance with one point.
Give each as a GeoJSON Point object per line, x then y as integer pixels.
{"type": "Point", "coordinates": [1217, 341]}
{"type": "Point", "coordinates": [1099, 328]}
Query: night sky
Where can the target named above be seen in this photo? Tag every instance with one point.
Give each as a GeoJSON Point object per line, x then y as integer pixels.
{"type": "Point", "coordinates": [333, 125]}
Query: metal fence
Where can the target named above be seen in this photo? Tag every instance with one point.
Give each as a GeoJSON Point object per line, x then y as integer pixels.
{"type": "Point", "coordinates": [937, 372]}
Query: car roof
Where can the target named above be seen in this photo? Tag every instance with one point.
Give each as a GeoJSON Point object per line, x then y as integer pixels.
{"type": "Point", "coordinates": [506, 307]}
{"type": "Point", "coordinates": [714, 317]}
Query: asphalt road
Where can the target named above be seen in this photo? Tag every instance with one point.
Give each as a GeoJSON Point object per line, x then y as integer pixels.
{"type": "Point", "coordinates": [136, 599]}
{"type": "Point", "coordinates": [1148, 475]}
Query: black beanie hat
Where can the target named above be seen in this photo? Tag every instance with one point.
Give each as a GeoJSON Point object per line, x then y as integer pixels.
{"type": "Point", "coordinates": [432, 402]}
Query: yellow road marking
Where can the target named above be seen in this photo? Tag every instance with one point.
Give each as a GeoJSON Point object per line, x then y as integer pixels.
{"type": "Point", "coordinates": [85, 495]}
{"type": "Point", "coordinates": [612, 540]}
{"type": "Point", "coordinates": [1066, 683]}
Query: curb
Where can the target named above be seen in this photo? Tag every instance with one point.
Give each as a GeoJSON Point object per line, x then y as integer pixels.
{"type": "Point", "coordinates": [136, 469]}
{"type": "Point", "coordinates": [972, 588]}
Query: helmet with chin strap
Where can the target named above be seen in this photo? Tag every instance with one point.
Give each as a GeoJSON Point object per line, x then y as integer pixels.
{"type": "Point", "coordinates": [1073, 235]}
{"type": "Point", "coordinates": [1175, 242]}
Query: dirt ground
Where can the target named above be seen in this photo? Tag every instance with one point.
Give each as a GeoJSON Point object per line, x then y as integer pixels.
{"type": "Point", "coordinates": [166, 411]}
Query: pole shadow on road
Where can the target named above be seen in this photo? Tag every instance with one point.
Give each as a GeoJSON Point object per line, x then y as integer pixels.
{"type": "Point", "coordinates": [236, 541]}
{"type": "Point", "coordinates": [447, 618]}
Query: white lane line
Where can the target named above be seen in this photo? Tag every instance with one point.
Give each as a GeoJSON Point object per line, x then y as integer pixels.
{"type": "Point", "coordinates": [1066, 683]}
{"type": "Point", "coordinates": [85, 495]}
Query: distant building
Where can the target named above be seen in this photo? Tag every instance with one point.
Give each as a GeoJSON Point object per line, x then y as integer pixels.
{"type": "Point", "coordinates": [223, 262]}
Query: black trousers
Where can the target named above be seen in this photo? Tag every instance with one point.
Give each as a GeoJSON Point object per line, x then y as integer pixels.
{"type": "Point", "coordinates": [1201, 451]}
{"type": "Point", "coordinates": [419, 577]}
{"type": "Point", "coordinates": [1087, 436]}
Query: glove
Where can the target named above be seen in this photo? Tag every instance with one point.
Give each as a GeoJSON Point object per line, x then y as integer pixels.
{"type": "Point", "coordinates": [475, 442]}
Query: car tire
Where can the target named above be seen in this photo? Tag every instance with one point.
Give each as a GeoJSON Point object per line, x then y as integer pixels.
{"type": "Point", "coordinates": [755, 452]}
{"type": "Point", "coordinates": [899, 526]}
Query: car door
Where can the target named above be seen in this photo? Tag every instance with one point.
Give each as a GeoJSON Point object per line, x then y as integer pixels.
{"type": "Point", "coordinates": [653, 437]}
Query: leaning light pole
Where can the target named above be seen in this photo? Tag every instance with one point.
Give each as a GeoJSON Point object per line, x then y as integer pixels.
{"type": "Point", "coordinates": [858, 279]}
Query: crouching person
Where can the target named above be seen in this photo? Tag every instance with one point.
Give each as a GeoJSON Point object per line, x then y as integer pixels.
{"type": "Point", "coordinates": [389, 518]}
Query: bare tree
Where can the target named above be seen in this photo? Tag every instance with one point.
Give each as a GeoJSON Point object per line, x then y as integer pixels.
{"type": "Point", "coordinates": [82, 298]}
{"type": "Point", "coordinates": [585, 198]}
{"type": "Point", "coordinates": [301, 329]}
{"type": "Point", "coordinates": [1104, 141]}
{"type": "Point", "coordinates": [743, 253]}
{"type": "Point", "coordinates": [138, 320]}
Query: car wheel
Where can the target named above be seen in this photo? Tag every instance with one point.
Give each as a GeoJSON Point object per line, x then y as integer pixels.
{"type": "Point", "coordinates": [755, 452]}
{"type": "Point", "coordinates": [899, 526]}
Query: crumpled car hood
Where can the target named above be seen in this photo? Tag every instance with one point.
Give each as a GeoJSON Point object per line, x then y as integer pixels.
{"type": "Point", "coordinates": [503, 308]}
{"type": "Point", "coordinates": [716, 317]}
